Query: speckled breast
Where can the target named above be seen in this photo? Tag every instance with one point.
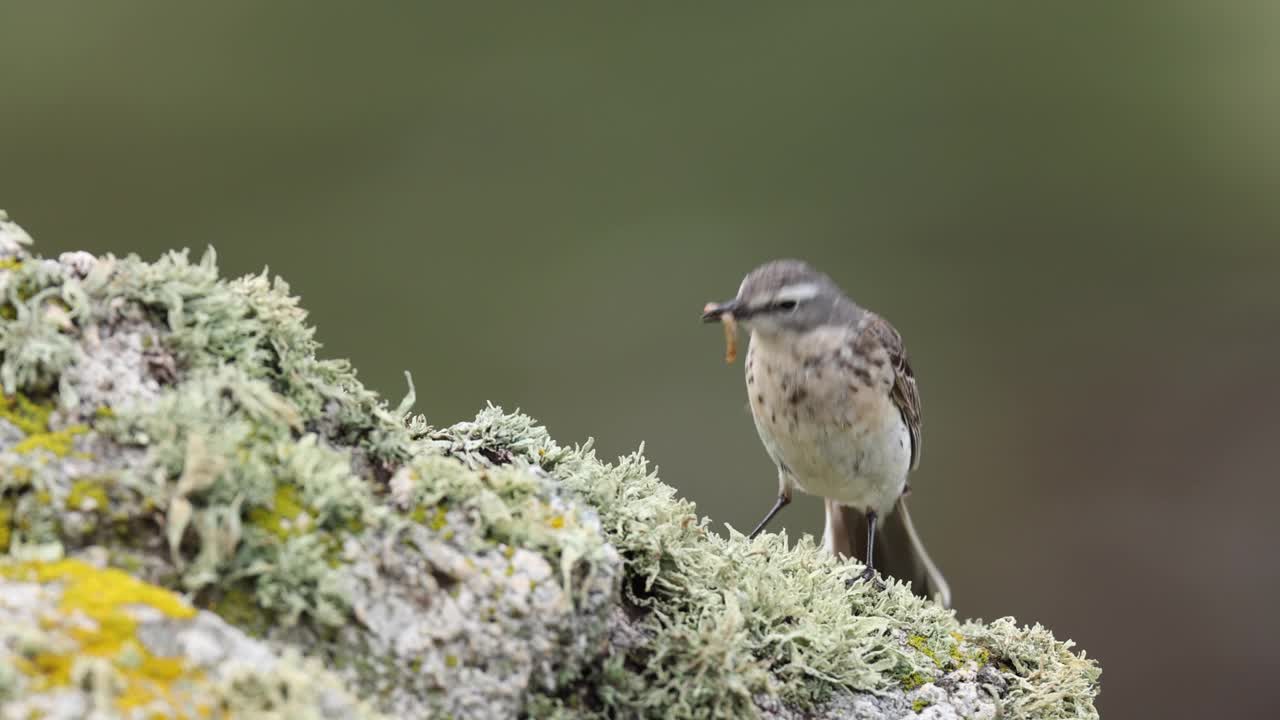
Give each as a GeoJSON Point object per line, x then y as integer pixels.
{"type": "Point", "coordinates": [825, 417]}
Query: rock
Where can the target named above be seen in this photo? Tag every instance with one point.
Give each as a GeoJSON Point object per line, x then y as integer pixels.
{"type": "Point", "coordinates": [283, 541]}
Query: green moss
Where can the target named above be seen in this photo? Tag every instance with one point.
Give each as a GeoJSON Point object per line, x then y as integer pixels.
{"type": "Point", "coordinates": [913, 680]}
{"type": "Point", "coordinates": [239, 607]}
{"type": "Point", "coordinates": [919, 705]}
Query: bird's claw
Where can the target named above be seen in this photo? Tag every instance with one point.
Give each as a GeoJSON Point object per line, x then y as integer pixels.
{"type": "Point", "coordinates": [867, 575]}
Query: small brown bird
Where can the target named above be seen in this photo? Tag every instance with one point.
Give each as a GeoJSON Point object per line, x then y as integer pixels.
{"type": "Point", "coordinates": [836, 406]}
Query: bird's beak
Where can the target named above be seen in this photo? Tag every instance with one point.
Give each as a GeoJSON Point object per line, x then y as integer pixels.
{"type": "Point", "coordinates": [712, 312]}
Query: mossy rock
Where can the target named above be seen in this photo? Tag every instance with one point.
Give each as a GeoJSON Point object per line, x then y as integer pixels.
{"type": "Point", "coordinates": [171, 432]}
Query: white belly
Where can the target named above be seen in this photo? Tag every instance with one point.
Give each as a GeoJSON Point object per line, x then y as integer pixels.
{"type": "Point", "coordinates": [849, 445]}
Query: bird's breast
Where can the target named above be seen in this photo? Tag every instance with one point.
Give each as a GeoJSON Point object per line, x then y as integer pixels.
{"type": "Point", "coordinates": [825, 415]}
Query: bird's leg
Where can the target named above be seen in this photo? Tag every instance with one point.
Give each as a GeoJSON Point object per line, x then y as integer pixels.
{"type": "Point", "coordinates": [870, 571]}
{"type": "Point", "coordinates": [783, 500]}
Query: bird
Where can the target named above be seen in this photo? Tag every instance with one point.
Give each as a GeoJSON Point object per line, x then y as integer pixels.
{"type": "Point", "coordinates": [836, 406]}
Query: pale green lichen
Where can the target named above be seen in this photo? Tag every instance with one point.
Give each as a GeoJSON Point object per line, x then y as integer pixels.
{"type": "Point", "coordinates": [1046, 679]}
{"type": "Point", "coordinates": [36, 337]}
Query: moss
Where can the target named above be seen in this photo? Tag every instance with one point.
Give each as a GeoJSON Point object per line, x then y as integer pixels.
{"type": "Point", "coordinates": [238, 607]}
{"type": "Point", "coordinates": [10, 263]}
{"type": "Point", "coordinates": [913, 680]}
{"type": "Point", "coordinates": [919, 705]}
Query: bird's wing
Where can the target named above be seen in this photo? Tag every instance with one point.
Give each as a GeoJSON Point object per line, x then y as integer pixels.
{"type": "Point", "coordinates": [904, 393]}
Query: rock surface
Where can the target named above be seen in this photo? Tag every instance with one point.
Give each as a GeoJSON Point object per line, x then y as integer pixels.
{"type": "Point", "coordinates": [200, 518]}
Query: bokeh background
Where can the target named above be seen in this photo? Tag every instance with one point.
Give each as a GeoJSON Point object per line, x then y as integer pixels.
{"type": "Point", "coordinates": [1070, 211]}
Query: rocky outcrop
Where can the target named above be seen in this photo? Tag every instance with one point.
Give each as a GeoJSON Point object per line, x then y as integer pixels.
{"type": "Point", "coordinates": [200, 518]}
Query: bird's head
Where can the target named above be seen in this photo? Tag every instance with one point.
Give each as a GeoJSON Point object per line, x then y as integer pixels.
{"type": "Point", "coordinates": [781, 298]}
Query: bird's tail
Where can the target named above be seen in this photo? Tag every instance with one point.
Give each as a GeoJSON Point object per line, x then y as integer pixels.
{"type": "Point", "coordinates": [899, 551]}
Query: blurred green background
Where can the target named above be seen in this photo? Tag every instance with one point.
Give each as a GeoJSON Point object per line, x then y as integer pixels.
{"type": "Point", "coordinates": [1070, 212]}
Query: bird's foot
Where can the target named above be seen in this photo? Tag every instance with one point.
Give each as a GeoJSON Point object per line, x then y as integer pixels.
{"type": "Point", "coordinates": [867, 575]}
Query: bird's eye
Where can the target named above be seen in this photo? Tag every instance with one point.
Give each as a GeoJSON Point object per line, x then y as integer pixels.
{"type": "Point", "coordinates": [787, 305]}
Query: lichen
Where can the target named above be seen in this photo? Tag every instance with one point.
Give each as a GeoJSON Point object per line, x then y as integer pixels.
{"type": "Point", "coordinates": [28, 416]}
{"type": "Point", "coordinates": [55, 442]}
{"type": "Point", "coordinates": [6, 520]}
{"type": "Point", "coordinates": [95, 612]}
{"type": "Point", "coordinates": [88, 494]}
{"type": "Point", "coordinates": [96, 642]}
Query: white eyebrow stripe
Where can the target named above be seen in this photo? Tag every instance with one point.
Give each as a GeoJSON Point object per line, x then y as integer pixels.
{"type": "Point", "coordinates": [797, 293]}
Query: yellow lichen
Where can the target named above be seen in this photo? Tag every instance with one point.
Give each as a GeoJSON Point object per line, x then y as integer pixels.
{"type": "Point", "coordinates": [29, 417]}
{"type": "Point", "coordinates": [87, 494]}
{"type": "Point", "coordinates": [103, 598]}
{"type": "Point", "coordinates": [6, 518]}
{"type": "Point", "coordinates": [281, 519]}
{"type": "Point", "coordinates": [557, 522]}
{"type": "Point", "coordinates": [10, 263]}
{"type": "Point", "coordinates": [439, 520]}
{"type": "Point", "coordinates": [58, 442]}
{"type": "Point", "coordinates": [32, 419]}
{"type": "Point", "coordinates": [920, 643]}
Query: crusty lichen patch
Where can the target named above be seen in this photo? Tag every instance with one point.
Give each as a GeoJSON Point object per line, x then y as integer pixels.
{"type": "Point", "coordinates": [95, 619]}
{"type": "Point", "coordinates": [79, 641]}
